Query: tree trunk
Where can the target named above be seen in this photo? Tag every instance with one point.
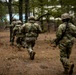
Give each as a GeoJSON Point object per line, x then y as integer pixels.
{"type": "Point", "coordinates": [10, 15]}
{"type": "Point", "coordinates": [41, 14]}
{"type": "Point", "coordinates": [20, 10]}
{"type": "Point", "coordinates": [26, 10]}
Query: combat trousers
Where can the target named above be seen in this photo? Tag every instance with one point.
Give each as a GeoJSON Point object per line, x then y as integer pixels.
{"type": "Point", "coordinates": [30, 42]}
{"type": "Point", "coordinates": [65, 51]}
{"type": "Point", "coordinates": [19, 41]}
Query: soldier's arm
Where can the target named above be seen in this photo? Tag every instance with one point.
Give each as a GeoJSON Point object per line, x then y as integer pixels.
{"type": "Point", "coordinates": [59, 34]}
{"type": "Point", "coordinates": [8, 26]}
{"type": "Point", "coordinates": [23, 28]}
{"type": "Point", "coordinates": [73, 30]}
{"type": "Point", "coordinates": [39, 29]}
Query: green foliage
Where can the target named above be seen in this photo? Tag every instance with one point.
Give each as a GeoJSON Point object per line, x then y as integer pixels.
{"type": "Point", "coordinates": [2, 10]}
{"type": "Point", "coordinates": [15, 7]}
{"type": "Point", "coordinates": [40, 7]}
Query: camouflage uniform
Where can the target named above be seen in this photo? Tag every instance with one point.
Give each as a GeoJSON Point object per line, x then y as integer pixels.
{"type": "Point", "coordinates": [17, 33]}
{"type": "Point", "coordinates": [65, 36]}
{"type": "Point", "coordinates": [14, 22]}
{"type": "Point", "coordinates": [31, 31]}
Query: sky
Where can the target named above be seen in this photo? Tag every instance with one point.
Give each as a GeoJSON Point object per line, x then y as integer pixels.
{"type": "Point", "coordinates": [14, 16]}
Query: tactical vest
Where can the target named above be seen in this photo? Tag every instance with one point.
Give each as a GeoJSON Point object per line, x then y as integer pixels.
{"type": "Point", "coordinates": [31, 30]}
{"type": "Point", "coordinates": [68, 32]}
{"type": "Point", "coordinates": [66, 35]}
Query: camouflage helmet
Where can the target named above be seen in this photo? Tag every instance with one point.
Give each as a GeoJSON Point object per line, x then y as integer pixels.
{"type": "Point", "coordinates": [65, 16]}
{"type": "Point", "coordinates": [31, 18]}
{"type": "Point", "coordinates": [19, 22]}
{"type": "Point", "coordinates": [18, 25]}
{"type": "Point", "coordinates": [14, 19]}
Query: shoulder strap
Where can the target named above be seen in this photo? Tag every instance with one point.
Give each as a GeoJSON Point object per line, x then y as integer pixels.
{"type": "Point", "coordinates": [66, 26]}
{"type": "Point", "coordinates": [58, 40]}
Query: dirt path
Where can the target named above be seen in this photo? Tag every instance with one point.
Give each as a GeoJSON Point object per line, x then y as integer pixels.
{"type": "Point", "coordinates": [17, 62]}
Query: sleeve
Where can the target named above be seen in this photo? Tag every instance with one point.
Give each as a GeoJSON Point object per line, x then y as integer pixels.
{"type": "Point", "coordinates": [39, 29]}
{"type": "Point", "coordinates": [23, 28]}
{"type": "Point", "coordinates": [73, 31]}
{"type": "Point", "coordinates": [59, 34]}
{"type": "Point", "coordinates": [10, 25]}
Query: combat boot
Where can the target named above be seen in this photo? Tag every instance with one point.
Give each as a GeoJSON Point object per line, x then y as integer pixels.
{"type": "Point", "coordinates": [24, 45]}
{"type": "Point", "coordinates": [32, 54]}
{"type": "Point", "coordinates": [11, 44]}
{"type": "Point", "coordinates": [71, 69]}
{"type": "Point", "coordinates": [19, 46]}
{"type": "Point", "coordinates": [66, 72]}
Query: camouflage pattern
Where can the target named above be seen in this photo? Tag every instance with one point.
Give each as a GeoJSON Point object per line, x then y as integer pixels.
{"type": "Point", "coordinates": [14, 22]}
{"type": "Point", "coordinates": [17, 32]}
{"type": "Point", "coordinates": [31, 31]}
{"type": "Point", "coordinates": [65, 16]}
{"type": "Point", "coordinates": [31, 18]}
{"type": "Point", "coordinates": [66, 43]}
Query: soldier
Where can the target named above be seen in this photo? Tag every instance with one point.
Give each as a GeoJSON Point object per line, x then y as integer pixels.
{"type": "Point", "coordinates": [17, 33]}
{"type": "Point", "coordinates": [31, 31]}
{"type": "Point", "coordinates": [14, 22]}
{"type": "Point", "coordinates": [65, 36]}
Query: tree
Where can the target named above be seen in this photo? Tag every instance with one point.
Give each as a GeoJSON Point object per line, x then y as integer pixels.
{"type": "Point", "coordinates": [9, 4]}
{"type": "Point", "coordinates": [20, 9]}
{"type": "Point", "coordinates": [26, 10]}
{"type": "Point", "coordinates": [2, 10]}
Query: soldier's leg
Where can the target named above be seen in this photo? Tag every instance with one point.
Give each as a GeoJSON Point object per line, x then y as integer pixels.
{"type": "Point", "coordinates": [18, 41]}
{"type": "Point", "coordinates": [69, 49]}
{"type": "Point", "coordinates": [67, 65]}
{"type": "Point", "coordinates": [30, 50]}
{"type": "Point", "coordinates": [12, 40]}
{"type": "Point", "coordinates": [71, 65]}
{"type": "Point", "coordinates": [24, 43]}
{"type": "Point", "coordinates": [12, 37]}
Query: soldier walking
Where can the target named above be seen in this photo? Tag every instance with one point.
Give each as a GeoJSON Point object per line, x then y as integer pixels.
{"type": "Point", "coordinates": [31, 31]}
{"type": "Point", "coordinates": [65, 36]}
{"type": "Point", "coordinates": [17, 33]}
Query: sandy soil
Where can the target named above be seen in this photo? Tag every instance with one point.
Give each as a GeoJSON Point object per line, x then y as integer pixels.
{"type": "Point", "coordinates": [16, 62]}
